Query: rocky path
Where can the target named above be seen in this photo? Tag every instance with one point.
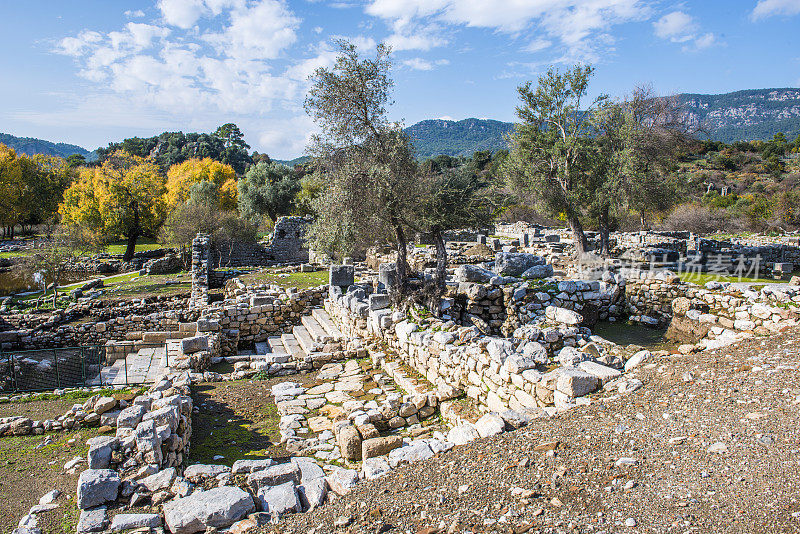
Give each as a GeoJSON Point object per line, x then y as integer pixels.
{"type": "Point", "coordinates": [711, 443]}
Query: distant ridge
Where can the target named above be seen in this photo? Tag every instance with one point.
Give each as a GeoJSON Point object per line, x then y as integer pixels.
{"type": "Point", "coordinates": [458, 138]}
{"type": "Point", "coordinates": [748, 115]}
{"type": "Point", "coordinates": [31, 146]}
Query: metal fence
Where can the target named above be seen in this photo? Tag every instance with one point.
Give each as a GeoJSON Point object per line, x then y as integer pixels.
{"type": "Point", "coordinates": [94, 365]}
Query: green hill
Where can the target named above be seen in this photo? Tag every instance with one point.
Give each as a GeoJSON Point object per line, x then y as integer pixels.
{"type": "Point", "coordinates": [740, 116]}
{"type": "Point", "coordinates": [749, 115]}
{"type": "Point", "coordinates": [462, 138]}
{"type": "Point", "coordinates": [31, 146]}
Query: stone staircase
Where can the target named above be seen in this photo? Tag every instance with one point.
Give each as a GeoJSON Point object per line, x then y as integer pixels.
{"type": "Point", "coordinates": [315, 339]}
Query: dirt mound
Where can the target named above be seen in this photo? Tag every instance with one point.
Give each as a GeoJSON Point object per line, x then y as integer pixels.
{"type": "Point", "coordinates": [479, 250]}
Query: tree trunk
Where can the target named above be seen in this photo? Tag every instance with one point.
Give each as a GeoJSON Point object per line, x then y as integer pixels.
{"type": "Point", "coordinates": [581, 245]}
{"type": "Point", "coordinates": [55, 295]}
{"type": "Point", "coordinates": [402, 261]}
{"type": "Point", "coordinates": [441, 261]}
{"type": "Point", "coordinates": [604, 244]}
{"type": "Point", "coordinates": [133, 235]}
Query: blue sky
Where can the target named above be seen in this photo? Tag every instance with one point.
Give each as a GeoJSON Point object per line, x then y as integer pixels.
{"type": "Point", "coordinates": [93, 71]}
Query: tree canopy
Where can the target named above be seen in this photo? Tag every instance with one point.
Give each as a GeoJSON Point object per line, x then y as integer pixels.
{"type": "Point", "coordinates": [267, 189]}
{"type": "Point", "coordinates": [181, 177]}
{"type": "Point", "coordinates": [123, 197]}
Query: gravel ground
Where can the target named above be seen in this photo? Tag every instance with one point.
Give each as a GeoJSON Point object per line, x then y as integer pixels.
{"type": "Point", "coordinates": [29, 469]}
{"type": "Point", "coordinates": [709, 444]}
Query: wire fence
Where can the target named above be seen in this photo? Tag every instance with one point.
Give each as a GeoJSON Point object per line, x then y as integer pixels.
{"type": "Point", "coordinates": [118, 364]}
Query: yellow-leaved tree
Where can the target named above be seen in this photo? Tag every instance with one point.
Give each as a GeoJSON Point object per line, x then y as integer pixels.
{"type": "Point", "coordinates": [124, 197]}
{"type": "Point", "coordinates": [181, 178]}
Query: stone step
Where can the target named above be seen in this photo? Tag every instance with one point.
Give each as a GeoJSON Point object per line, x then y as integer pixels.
{"type": "Point", "coordinates": [262, 347]}
{"type": "Point", "coordinates": [276, 344]}
{"type": "Point", "coordinates": [315, 330]}
{"type": "Point", "coordinates": [325, 322]}
{"type": "Point", "coordinates": [304, 339]}
{"type": "Point", "coordinates": [292, 347]}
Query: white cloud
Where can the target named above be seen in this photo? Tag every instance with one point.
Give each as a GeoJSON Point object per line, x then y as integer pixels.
{"type": "Point", "coordinates": [288, 137]}
{"type": "Point", "coordinates": [260, 31]}
{"type": "Point", "coordinates": [581, 26]}
{"type": "Point", "coordinates": [418, 63]}
{"type": "Point", "coordinates": [704, 41]}
{"type": "Point", "coordinates": [182, 13]}
{"type": "Point", "coordinates": [537, 45]}
{"type": "Point", "coordinates": [769, 8]}
{"type": "Point", "coordinates": [76, 46]}
{"type": "Point", "coordinates": [677, 26]}
{"type": "Point", "coordinates": [134, 14]}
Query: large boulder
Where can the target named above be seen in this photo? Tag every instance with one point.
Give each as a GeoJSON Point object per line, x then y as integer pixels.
{"type": "Point", "coordinates": [472, 273]}
{"type": "Point", "coordinates": [563, 315]}
{"type": "Point", "coordinates": [538, 271]}
{"type": "Point", "coordinates": [218, 508]}
{"type": "Point", "coordinates": [349, 441]}
{"type": "Point", "coordinates": [515, 263]}
{"type": "Point", "coordinates": [342, 481]}
{"type": "Point", "coordinates": [96, 487]}
{"type": "Point", "coordinates": [122, 522]}
{"type": "Point", "coordinates": [490, 424]}
{"type": "Point", "coordinates": [190, 345]}
{"type": "Point", "coordinates": [274, 476]}
{"type": "Point", "coordinates": [341, 275]}
{"type": "Point", "coordinates": [380, 446]}
{"type": "Point", "coordinates": [198, 472]}
{"type": "Point", "coordinates": [279, 500]}
{"type": "Point", "coordinates": [576, 383]}
{"type": "Point", "coordinates": [131, 416]}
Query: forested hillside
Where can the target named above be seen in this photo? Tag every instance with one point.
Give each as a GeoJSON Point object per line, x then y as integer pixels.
{"type": "Point", "coordinates": [462, 138]}
{"type": "Point", "coordinates": [31, 146]}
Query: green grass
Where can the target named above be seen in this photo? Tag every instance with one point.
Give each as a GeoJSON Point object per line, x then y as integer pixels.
{"type": "Point", "coordinates": [118, 247]}
{"type": "Point", "coordinates": [298, 280]}
{"type": "Point", "coordinates": [132, 285]}
{"type": "Point", "coordinates": [78, 394]}
{"type": "Point", "coordinates": [6, 255]}
{"type": "Point", "coordinates": [702, 278]}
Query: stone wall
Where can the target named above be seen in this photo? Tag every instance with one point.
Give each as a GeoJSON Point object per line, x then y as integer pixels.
{"type": "Point", "coordinates": [718, 311]}
{"type": "Point", "coordinates": [251, 314]}
{"type": "Point", "coordinates": [285, 245]}
{"type": "Point", "coordinates": [94, 323]}
{"type": "Point", "coordinates": [201, 271]}
{"type": "Point", "coordinates": [500, 309]}
{"type": "Point", "coordinates": [498, 373]}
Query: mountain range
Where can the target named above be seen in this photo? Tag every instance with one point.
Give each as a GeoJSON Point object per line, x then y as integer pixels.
{"type": "Point", "coordinates": [31, 146]}
{"type": "Point", "coordinates": [746, 115]}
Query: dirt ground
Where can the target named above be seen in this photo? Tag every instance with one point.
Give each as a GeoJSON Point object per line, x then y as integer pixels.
{"type": "Point", "coordinates": [710, 443]}
{"type": "Point", "coordinates": [39, 410]}
{"type": "Point", "coordinates": [29, 470]}
{"type": "Point", "coordinates": [237, 419]}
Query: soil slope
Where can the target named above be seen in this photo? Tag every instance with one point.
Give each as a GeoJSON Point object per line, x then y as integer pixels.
{"type": "Point", "coordinates": [709, 444]}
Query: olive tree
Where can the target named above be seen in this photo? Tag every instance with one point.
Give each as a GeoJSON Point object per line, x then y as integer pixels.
{"type": "Point", "coordinates": [365, 160]}
{"type": "Point", "coordinates": [551, 144]}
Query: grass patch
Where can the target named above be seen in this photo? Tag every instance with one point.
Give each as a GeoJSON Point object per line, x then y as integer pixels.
{"type": "Point", "coordinates": [132, 285]}
{"type": "Point", "coordinates": [118, 247]}
{"type": "Point", "coordinates": [79, 394]}
{"type": "Point", "coordinates": [285, 280]}
{"type": "Point", "coordinates": [702, 278]}
{"type": "Point", "coordinates": [236, 420]}
{"type": "Point", "coordinates": [6, 255]}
